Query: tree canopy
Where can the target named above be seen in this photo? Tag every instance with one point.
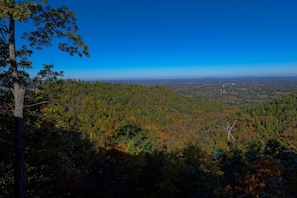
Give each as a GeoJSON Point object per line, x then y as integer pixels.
{"type": "Point", "coordinates": [47, 23]}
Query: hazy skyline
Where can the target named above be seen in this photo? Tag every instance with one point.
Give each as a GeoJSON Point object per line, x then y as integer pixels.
{"type": "Point", "coordinates": [180, 39]}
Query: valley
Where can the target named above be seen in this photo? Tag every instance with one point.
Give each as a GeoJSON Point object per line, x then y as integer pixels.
{"type": "Point", "coordinates": [161, 138]}
{"type": "Point", "coordinates": [234, 91]}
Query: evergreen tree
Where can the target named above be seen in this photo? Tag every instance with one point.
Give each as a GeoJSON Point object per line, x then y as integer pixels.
{"type": "Point", "coordinates": [49, 23]}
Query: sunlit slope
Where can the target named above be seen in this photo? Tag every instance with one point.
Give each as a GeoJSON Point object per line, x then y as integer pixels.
{"type": "Point", "coordinates": [275, 119]}
{"type": "Point", "coordinates": [107, 110]}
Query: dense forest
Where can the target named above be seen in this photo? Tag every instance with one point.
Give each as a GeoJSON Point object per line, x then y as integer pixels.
{"type": "Point", "coordinates": [127, 140]}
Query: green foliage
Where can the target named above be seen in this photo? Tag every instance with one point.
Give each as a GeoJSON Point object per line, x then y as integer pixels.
{"type": "Point", "coordinates": [105, 140]}
{"type": "Point", "coordinates": [275, 119]}
{"type": "Point", "coordinates": [48, 23]}
{"type": "Point", "coordinates": [51, 22]}
{"type": "Point", "coordinates": [106, 110]}
{"type": "Point", "coordinates": [20, 11]}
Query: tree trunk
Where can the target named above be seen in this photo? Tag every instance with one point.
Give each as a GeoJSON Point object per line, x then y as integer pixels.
{"type": "Point", "coordinates": [19, 166]}
{"type": "Point", "coordinates": [19, 95]}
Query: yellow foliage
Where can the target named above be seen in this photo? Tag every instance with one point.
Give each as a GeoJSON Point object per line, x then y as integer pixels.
{"type": "Point", "coordinates": [132, 118]}
{"type": "Point", "coordinates": [103, 128]}
{"type": "Point", "coordinates": [121, 147]}
{"type": "Point", "coordinates": [119, 105]}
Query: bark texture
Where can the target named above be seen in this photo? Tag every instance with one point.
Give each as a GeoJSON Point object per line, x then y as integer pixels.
{"type": "Point", "coordinates": [19, 95]}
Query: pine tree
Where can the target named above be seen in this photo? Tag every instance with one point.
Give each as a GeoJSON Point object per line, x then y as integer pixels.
{"type": "Point", "coordinates": [49, 23]}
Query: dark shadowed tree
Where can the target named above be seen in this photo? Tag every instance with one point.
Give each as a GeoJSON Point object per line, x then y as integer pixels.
{"type": "Point", "coordinates": [47, 23]}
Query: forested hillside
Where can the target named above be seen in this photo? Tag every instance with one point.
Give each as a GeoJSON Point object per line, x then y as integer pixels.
{"type": "Point", "coordinates": [118, 140]}
{"type": "Point", "coordinates": [106, 111]}
{"type": "Point", "coordinates": [271, 120]}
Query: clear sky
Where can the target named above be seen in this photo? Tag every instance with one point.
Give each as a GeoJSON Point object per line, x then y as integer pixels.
{"type": "Point", "coordinates": [180, 39]}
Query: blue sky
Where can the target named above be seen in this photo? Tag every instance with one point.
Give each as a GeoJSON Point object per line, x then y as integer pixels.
{"type": "Point", "coordinates": [145, 39]}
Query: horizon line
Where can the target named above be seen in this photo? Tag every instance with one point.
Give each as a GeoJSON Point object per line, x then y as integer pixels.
{"type": "Point", "coordinates": [183, 78]}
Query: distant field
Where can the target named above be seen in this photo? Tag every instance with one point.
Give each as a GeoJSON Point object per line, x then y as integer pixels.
{"type": "Point", "coordinates": [234, 91]}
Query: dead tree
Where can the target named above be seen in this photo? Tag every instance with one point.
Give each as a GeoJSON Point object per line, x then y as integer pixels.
{"type": "Point", "coordinates": [228, 129]}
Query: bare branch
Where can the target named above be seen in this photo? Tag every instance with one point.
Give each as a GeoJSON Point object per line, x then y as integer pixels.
{"type": "Point", "coordinates": [7, 109]}
{"type": "Point", "coordinates": [46, 102]}
{"type": "Point", "coordinates": [11, 107]}
{"type": "Point", "coordinates": [39, 103]}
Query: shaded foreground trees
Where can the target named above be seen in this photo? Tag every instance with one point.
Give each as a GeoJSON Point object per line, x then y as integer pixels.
{"type": "Point", "coordinates": [65, 164]}
{"type": "Point", "coordinates": [49, 23]}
